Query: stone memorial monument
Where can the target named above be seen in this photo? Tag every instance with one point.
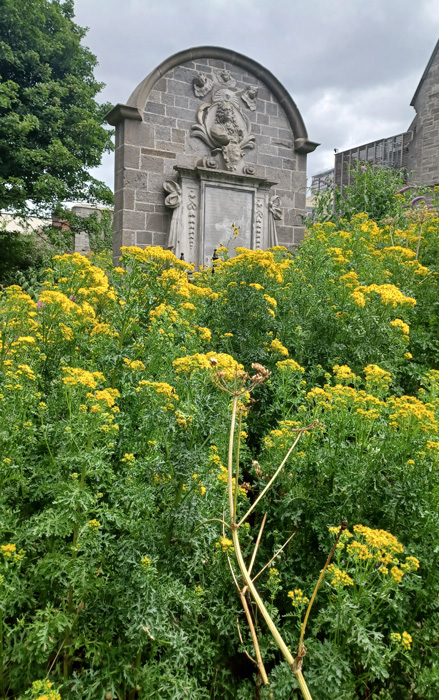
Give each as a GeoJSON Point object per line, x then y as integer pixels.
{"type": "Point", "coordinates": [209, 139]}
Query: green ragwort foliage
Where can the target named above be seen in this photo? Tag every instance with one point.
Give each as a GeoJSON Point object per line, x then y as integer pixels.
{"type": "Point", "coordinates": [113, 441]}
{"type": "Point", "coordinates": [371, 190]}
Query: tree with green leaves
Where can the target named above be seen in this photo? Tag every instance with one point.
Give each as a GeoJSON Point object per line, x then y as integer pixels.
{"type": "Point", "coordinates": [51, 129]}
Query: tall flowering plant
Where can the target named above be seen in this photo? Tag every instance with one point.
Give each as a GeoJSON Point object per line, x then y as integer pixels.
{"type": "Point", "coordinates": [114, 446]}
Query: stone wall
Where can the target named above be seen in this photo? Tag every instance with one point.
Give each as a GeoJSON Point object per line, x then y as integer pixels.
{"type": "Point", "coordinates": [82, 242]}
{"type": "Point", "coordinates": [155, 136]}
{"type": "Point", "coordinates": [423, 152]}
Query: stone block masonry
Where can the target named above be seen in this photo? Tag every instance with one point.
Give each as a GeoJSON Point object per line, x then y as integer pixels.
{"type": "Point", "coordinates": [208, 117]}
{"type": "Point", "coordinates": [423, 152]}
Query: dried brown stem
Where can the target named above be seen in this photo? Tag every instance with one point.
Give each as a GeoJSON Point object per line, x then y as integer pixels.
{"type": "Point", "coordinates": [273, 558]}
{"type": "Point", "coordinates": [255, 551]}
{"type": "Point", "coordinates": [296, 668]}
{"type": "Point", "coordinates": [276, 473]}
{"type": "Point", "coordinates": [258, 542]}
{"type": "Point", "coordinates": [242, 642]}
{"type": "Point", "coordinates": [300, 654]}
{"type": "Point", "coordinates": [259, 663]}
{"type": "Point", "coordinates": [278, 470]}
{"type": "Point", "coordinates": [419, 241]}
{"type": "Point", "coordinates": [235, 495]}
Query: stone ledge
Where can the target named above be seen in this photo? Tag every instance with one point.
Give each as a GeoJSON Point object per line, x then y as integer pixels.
{"type": "Point", "coordinates": [121, 112]}
{"type": "Point", "coordinates": [225, 176]}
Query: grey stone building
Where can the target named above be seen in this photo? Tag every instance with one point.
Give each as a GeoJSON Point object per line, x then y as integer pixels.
{"type": "Point", "coordinates": [416, 150]}
{"type": "Point", "coordinates": [209, 138]}
{"type": "Point", "coordinates": [423, 149]}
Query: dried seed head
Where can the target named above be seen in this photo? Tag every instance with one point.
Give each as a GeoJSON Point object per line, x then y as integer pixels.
{"type": "Point", "coordinates": [389, 220]}
{"type": "Point", "coordinates": [419, 215]}
{"type": "Point", "coordinates": [262, 373]}
{"type": "Point", "coordinates": [257, 379]}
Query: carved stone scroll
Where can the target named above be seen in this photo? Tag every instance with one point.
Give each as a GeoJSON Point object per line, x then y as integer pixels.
{"type": "Point", "coordinates": [259, 220]}
{"type": "Point", "coordinates": [192, 207]}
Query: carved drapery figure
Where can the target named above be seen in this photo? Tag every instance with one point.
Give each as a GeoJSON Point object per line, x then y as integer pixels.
{"type": "Point", "coordinates": [275, 214]}
{"type": "Point", "coordinates": [173, 201]}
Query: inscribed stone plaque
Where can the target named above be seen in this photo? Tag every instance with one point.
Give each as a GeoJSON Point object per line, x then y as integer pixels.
{"type": "Point", "coordinates": [224, 206]}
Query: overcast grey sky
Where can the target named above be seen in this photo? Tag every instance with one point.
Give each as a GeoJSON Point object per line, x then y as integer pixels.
{"type": "Point", "coordinates": [351, 66]}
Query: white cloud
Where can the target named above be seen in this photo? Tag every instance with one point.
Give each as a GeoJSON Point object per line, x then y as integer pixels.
{"type": "Point", "coordinates": [351, 67]}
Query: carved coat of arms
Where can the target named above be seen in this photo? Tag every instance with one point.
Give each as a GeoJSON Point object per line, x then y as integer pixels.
{"type": "Point", "coordinates": [221, 123]}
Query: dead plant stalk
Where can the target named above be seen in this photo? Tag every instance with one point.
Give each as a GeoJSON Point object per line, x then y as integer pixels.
{"type": "Point", "coordinates": [243, 385]}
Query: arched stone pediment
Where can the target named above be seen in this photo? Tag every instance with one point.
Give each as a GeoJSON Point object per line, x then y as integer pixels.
{"type": "Point", "coordinates": [139, 96]}
{"type": "Point", "coordinates": [208, 139]}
